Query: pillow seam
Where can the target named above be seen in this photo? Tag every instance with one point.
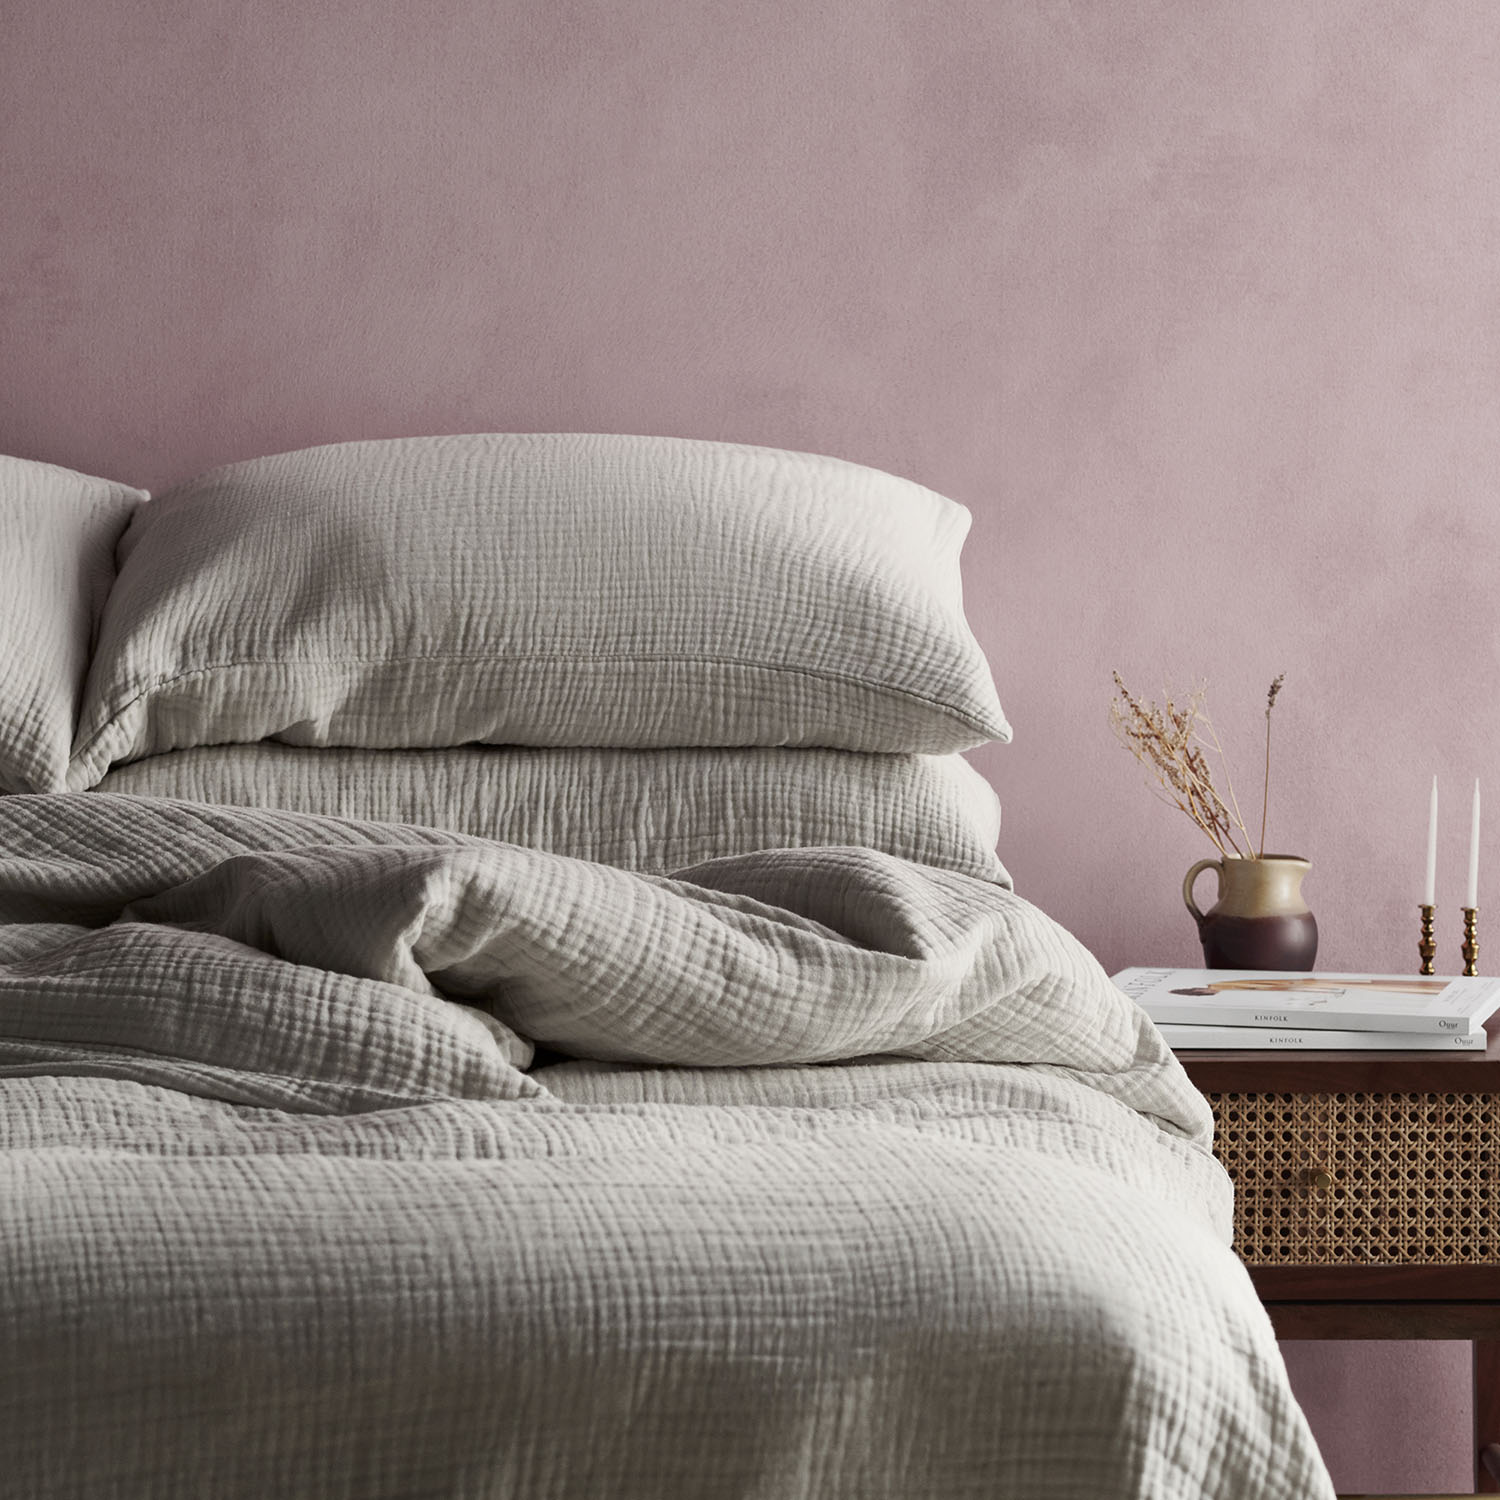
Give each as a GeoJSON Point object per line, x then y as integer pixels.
{"type": "Point", "coordinates": [535, 656]}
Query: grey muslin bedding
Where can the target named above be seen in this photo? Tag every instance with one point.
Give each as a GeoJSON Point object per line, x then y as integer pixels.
{"type": "Point", "coordinates": [58, 531]}
{"type": "Point", "coordinates": [866, 1182]}
{"type": "Point", "coordinates": [653, 810]}
{"type": "Point", "coordinates": [539, 589]}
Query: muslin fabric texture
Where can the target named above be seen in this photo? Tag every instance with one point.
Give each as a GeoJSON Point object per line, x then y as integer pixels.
{"type": "Point", "coordinates": [283, 1217]}
{"type": "Point", "coordinates": [736, 962]}
{"type": "Point", "coordinates": [539, 589]}
{"type": "Point", "coordinates": [58, 531]}
{"type": "Point", "coordinates": [654, 810]}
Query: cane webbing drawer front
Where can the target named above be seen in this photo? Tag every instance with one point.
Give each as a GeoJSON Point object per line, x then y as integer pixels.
{"type": "Point", "coordinates": [1363, 1179]}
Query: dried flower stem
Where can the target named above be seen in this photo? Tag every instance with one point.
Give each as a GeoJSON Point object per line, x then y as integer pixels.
{"type": "Point", "coordinates": [1210, 737]}
{"type": "Point", "coordinates": [1166, 739]}
{"type": "Point", "coordinates": [1265, 800]}
{"type": "Point", "coordinates": [1169, 740]}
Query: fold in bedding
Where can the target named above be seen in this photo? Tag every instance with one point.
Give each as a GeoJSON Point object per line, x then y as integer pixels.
{"type": "Point", "coordinates": [291, 943]}
{"type": "Point", "coordinates": [864, 1180]}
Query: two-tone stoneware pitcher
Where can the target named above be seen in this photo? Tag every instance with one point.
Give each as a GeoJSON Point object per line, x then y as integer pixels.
{"type": "Point", "coordinates": [1260, 920]}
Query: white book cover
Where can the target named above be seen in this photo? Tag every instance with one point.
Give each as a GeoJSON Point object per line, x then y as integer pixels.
{"type": "Point", "coordinates": [1328, 1002]}
{"type": "Point", "coordinates": [1268, 1039]}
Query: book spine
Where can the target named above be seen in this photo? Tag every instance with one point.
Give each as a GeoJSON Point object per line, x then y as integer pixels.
{"type": "Point", "coordinates": [1270, 1040]}
{"type": "Point", "coordinates": [1236, 1014]}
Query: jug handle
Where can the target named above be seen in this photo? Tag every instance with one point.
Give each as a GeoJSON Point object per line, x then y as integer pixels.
{"type": "Point", "coordinates": [1187, 885]}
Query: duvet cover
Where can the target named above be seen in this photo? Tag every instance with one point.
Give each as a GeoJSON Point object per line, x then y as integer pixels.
{"type": "Point", "coordinates": [356, 1160]}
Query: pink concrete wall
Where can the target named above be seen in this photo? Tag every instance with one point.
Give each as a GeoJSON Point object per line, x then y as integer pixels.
{"type": "Point", "coordinates": [1193, 303]}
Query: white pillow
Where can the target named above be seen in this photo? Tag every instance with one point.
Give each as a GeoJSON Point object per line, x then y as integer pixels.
{"type": "Point", "coordinates": [541, 589]}
{"type": "Point", "coordinates": [58, 532]}
{"type": "Point", "coordinates": [652, 810]}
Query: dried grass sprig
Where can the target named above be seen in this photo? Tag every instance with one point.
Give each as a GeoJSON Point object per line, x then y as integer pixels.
{"type": "Point", "coordinates": [1265, 800]}
{"type": "Point", "coordinates": [1170, 740]}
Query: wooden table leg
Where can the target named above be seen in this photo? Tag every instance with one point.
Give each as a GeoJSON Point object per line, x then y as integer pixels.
{"type": "Point", "coordinates": [1487, 1416]}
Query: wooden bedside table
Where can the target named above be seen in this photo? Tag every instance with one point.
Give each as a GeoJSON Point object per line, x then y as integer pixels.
{"type": "Point", "coordinates": [1367, 1196]}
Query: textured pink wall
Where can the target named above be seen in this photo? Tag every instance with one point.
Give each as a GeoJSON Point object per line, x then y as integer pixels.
{"type": "Point", "coordinates": [1193, 303]}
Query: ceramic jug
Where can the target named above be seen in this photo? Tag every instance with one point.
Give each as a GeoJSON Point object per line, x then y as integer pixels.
{"type": "Point", "coordinates": [1260, 920]}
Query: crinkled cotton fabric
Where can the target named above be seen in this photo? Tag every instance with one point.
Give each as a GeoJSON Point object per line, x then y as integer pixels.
{"type": "Point", "coordinates": [653, 810]}
{"type": "Point", "coordinates": [557, 589]}
{"type": "Point", "coordinates": [863, 1181]}
{"type": "Point", "coordinates": [58, 531]}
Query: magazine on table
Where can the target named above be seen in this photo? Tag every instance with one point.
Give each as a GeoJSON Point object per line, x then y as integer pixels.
{"type": "Point", "coordinates": [1328, 1002]}
{"type": "Point", "coordinates": [1314, 1039]}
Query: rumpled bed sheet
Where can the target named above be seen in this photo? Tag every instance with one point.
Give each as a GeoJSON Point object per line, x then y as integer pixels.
{"type": "Point", "coordinates": [861, 1180]}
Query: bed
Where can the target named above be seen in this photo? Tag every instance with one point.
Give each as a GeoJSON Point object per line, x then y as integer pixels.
{"type": "Point", "coordinates": [506, 989]}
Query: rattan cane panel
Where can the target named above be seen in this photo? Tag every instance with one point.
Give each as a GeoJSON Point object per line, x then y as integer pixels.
{"type": "Point", "coordinates": [1415, 1177]}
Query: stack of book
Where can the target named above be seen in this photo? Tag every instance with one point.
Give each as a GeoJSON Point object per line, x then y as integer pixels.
{"type": "Point", "coordinates": [1266, 1009]}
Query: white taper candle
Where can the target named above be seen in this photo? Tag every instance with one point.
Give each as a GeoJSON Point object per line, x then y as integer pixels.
{"type": "Point", "coordinates": [1474, 851]}
{"type": "Point", "coordinates": [1429, 887]}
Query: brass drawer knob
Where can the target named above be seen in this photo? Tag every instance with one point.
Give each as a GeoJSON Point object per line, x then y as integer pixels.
{"type": "Point", "coordinates": [1318, 1179]}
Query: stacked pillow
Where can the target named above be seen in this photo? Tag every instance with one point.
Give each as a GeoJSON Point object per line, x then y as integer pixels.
{"type": "Point", "coordinates": [58, 532]}
{"type": "Point", "coordinates": [665, 618]}
{"type": "Point", "coordinates": [650, 810]}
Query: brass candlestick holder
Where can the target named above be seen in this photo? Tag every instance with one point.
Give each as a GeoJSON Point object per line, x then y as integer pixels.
{"type": "Point", "coordinates": [1471, 940]}
{"type": "Point", "coordinates": [1427, 946]}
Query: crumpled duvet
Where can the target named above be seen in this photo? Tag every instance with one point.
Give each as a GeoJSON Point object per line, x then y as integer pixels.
{"type": "Point", "coordinates": [863, 1181]}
